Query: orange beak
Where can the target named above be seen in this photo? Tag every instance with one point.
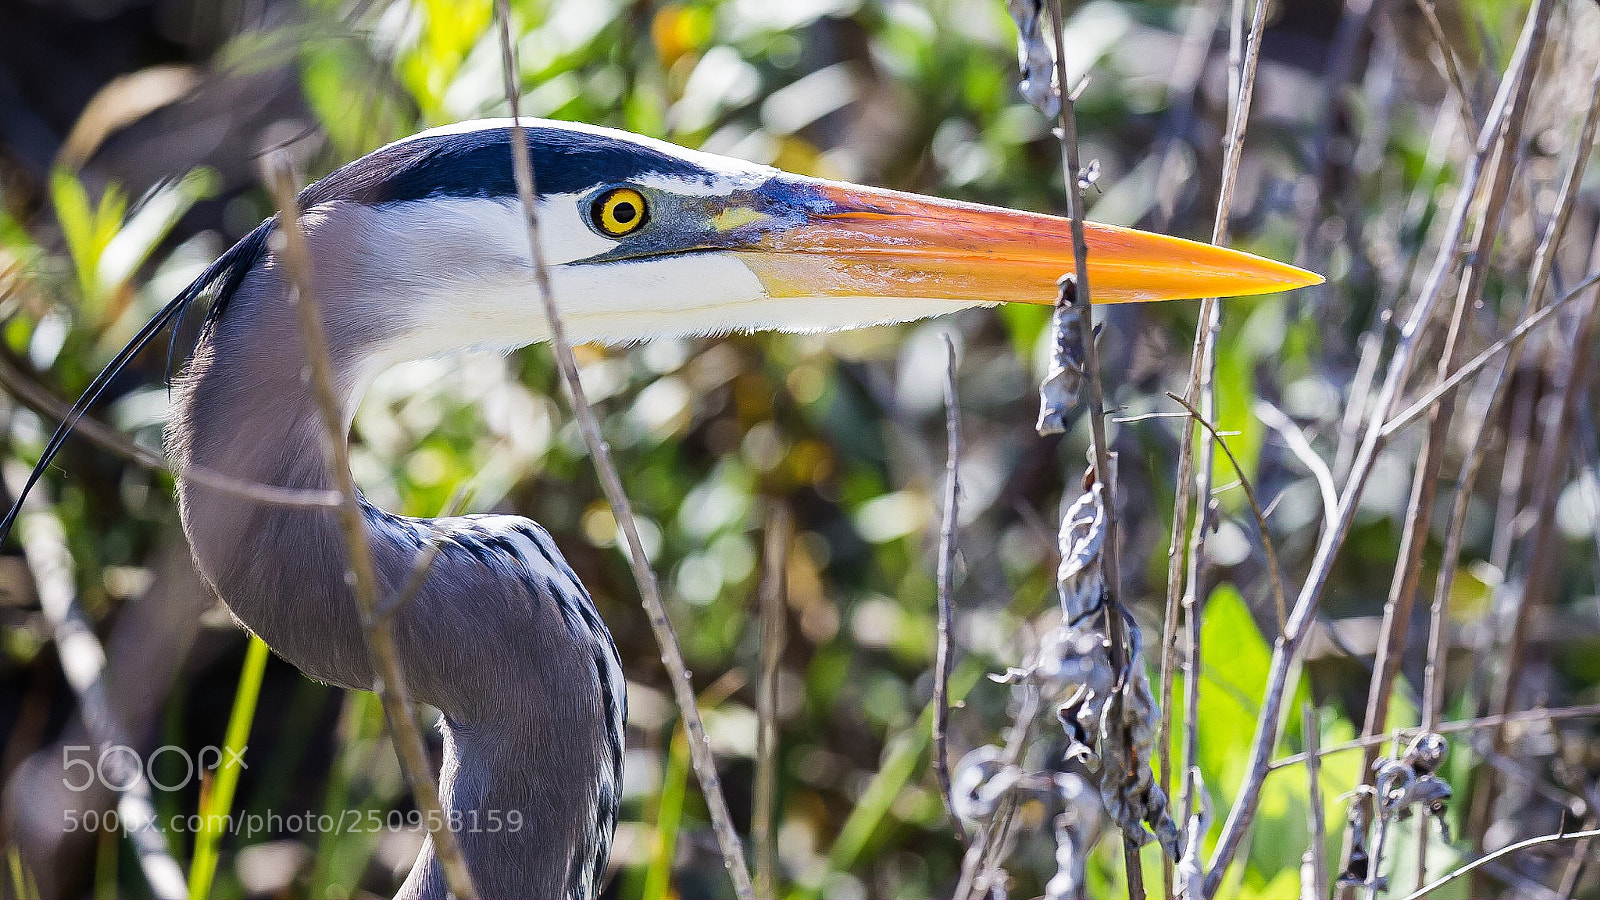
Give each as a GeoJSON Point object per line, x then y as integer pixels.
{"type": "Point", "coordinates": [855, 241]}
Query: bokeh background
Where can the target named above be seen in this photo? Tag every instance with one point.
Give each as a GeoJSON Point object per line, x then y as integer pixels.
{"type": "Point", "coordinates": [129, 138]}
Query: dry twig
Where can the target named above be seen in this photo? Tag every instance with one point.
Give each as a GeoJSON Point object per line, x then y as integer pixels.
{"type": "Point", "coordinates": [947, 561]}
{"type": "Point", "coordinates": [39, 399]}
{"type": "Point", "coordinates": [1377, 740]}
{"type": "Point", "coordinates": [1510, 849]}
{"type": "Point", "coordinates": [391, 685]}
{"type": "Point", "coordinates": [1314, 864]}
{"type": "Point", "coordinates": [1419, 513]}
{"type": "Point", "coordinates": [1448, 61]}
{"type": "Point", "coordinates": [700, 755]}
{"type": "Point", "coordinates": [1488, 355]}
{"type": "Point", "coordinates": [1071, 167]}
{"type": "Point", "coordinates": [1244, 60]}
{"type": "Point", "coordinates": [1401, 362]}
{"type": "Point", "coordinates": [83, 662]}
{"type": "Point", "coordinates": [1574, 375]}
{"type": "Point", "coordinates": [774, 590]}
{"type": "Point", "coordinates": [1433, 673]}
{"type": "Point", "coordinates": [1300, 446]}
{"type": "Point", "coordinates": [1255, 507]}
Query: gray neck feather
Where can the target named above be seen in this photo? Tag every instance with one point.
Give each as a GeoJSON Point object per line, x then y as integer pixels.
{"type": "Point", "coordinates": [521, 668]}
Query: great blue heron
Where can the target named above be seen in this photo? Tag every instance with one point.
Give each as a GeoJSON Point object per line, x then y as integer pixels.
{"type": "Point", "coordinates": [419, 248]}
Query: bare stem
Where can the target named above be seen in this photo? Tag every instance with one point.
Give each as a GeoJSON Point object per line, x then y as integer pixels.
{"type": "Point", "coordinates": [391, 685]}
{"type": "Point", "coordinates": [1528, 715]}
{"type": "Point", "coordinates": [1067, 119]}
{"type": "Point", "coordinates": [1202, 364]}
{"type": "Point", "coordinates": [1438, 633]}
{"type": "Point", "coordinates": [39, 399]}
{"type": "Point", "coordinates": [1300, 446]}
{"type": "Point", "coordinates": [1574, 374]}
{"type": "Point", "coordinates": [1424, 490]}
{"type": "Point", "coordinates": [83, 662]}
{"type": "Point", "coordinates": [1303, 616]}
{"type": "Point", "coordinates": [1510, 341]}
{"type": "Point", "coordinates": [774, 590]}
{"type": "Point", "coordinates": [1317, 853]}
{"type": "Point", "coordinates": [1255, 507]}
{"type": "Point", "coordinates": [1503, 852]}
{"type": "Point", "coordinates": [947, 553]}
{"type": "Point", "coordinates": [700, 755]}
{"type": "Point", "coordinates": [1447, 54]}
{"type": "Point", "coordinates": [422, 564]}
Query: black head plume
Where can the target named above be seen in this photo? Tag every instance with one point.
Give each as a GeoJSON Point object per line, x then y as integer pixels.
{"type": "Point", "coordinates": [222, 278]}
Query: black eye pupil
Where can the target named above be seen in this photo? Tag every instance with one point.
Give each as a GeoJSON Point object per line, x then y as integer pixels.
{"type": "Point", "coordinates": [624, 212]}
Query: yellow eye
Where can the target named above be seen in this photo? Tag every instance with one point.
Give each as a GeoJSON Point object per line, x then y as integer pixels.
{"type": "Point", "coordinates": [620, 211]}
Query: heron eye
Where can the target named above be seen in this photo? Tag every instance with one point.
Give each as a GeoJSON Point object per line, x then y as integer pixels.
{"type": "Point", "coordinates": [620, 211]}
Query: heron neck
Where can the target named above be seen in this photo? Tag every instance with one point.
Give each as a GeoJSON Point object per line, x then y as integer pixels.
{"type": "Point", "coordinates": [530, 735]}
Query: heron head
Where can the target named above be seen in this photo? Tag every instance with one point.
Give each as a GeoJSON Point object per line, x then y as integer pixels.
{"type": "Point", "coordinates": [645, 238]}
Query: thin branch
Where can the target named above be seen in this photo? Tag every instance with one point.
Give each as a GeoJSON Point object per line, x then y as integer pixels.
{"type": "Point", "coordinates": [1188, 66]}
{"type": "Point", "coordinates": [1452, 67]}
{"type": "Point", "coordinates": [774, 591]}
{"type": "Point", "coordinates": [1455, 535]}
{"type": "Point", "coordinates": [1511, 340]}
{"type": "Point", "coordinates": [1316, 854]}
{"type": "Point", "coordinates": [1400, 365]}
{"type": "Point", "coordinates": [83, 661]}
{"type": "Point", "coordinates": [39, 399]}
{"type": "Point", "coordinates": [947, 561]}
{"type": "Point", "coordinates": [1300, 446]}
{"type": "Point", "coordinates": [1255, 507]}
{"type": "Point", "coordinates": [983, 854]}
{"type": "Point", "coordinates": [1082, 296]}
{"type": "Point", "coordinates": [1574, 372]}
{"type": "Point", "coordinates": [1407, 576]}
{"type": "Point", "coordinates": [1242, 72]}
{"type": "Point", "coordinates": [1503, 852]}
{"type": "Point", "coordinates": [992, 853]}
{"type": "Point", "coordinates": [1071, 167]}
{"type": "Point", "coordinates": [1581, 856]}
{"type": "Point", "coordinates": [1400, 734]}
{"type": "Point", "coordinates": [423, 562]}
{"type": "Point", "coordinates": [290, 241]}
{"type": "Point", "coordinates": [700, 755]}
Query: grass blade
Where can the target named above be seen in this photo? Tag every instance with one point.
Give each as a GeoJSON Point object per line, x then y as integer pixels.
{"type": "Point", "coordinates": [218, 802]}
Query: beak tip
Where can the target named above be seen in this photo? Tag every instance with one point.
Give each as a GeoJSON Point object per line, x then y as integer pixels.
{"type": "Point", "coordinates": [1308, 278]}
{"type": "Point", "coordinates": [1290, 277]}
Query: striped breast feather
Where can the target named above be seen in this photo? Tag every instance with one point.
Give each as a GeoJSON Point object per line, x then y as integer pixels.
{"type": "Point", "coordinates": [540, 563]}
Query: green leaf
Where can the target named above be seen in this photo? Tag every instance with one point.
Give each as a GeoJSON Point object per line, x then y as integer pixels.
{"type": "Point", "coordinates": [132, 241]}
{"type": "Point", "coordinates": [77, 222]}
{"type": "Point", "coordinates": [218, 804]}
{"type": "Point", "coordinates": [900, 762]}
{"type": "Point", "coordinates": [669, 819]}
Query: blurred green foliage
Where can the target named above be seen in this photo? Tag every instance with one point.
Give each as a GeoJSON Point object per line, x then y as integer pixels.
{"type": "Point", "coordinates": [844, 430]}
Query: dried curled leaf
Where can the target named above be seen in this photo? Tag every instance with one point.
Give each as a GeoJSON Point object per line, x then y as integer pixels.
{"type": "Point", "coordinates": [1035, 57]}
{"type": "Point", "coordinates": [982, 778]}
{"type": "Point", "coordinates": [1063, 381]}
{"type": "Point", "coordinates": [1426, 752]}
{"type": "Point", "coordinates": [1110, 729]}
{"type": "Point", "coordinates": [1359, 866]}
{"type": "Point", "coordinates": [1079, 579]}
{"type": "Point", "coordinates": [1133, 797]}
{"type": "Point", "coordinates": [1407, 783]}
{"type": "Point", "coordinates": [1077, 830]}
